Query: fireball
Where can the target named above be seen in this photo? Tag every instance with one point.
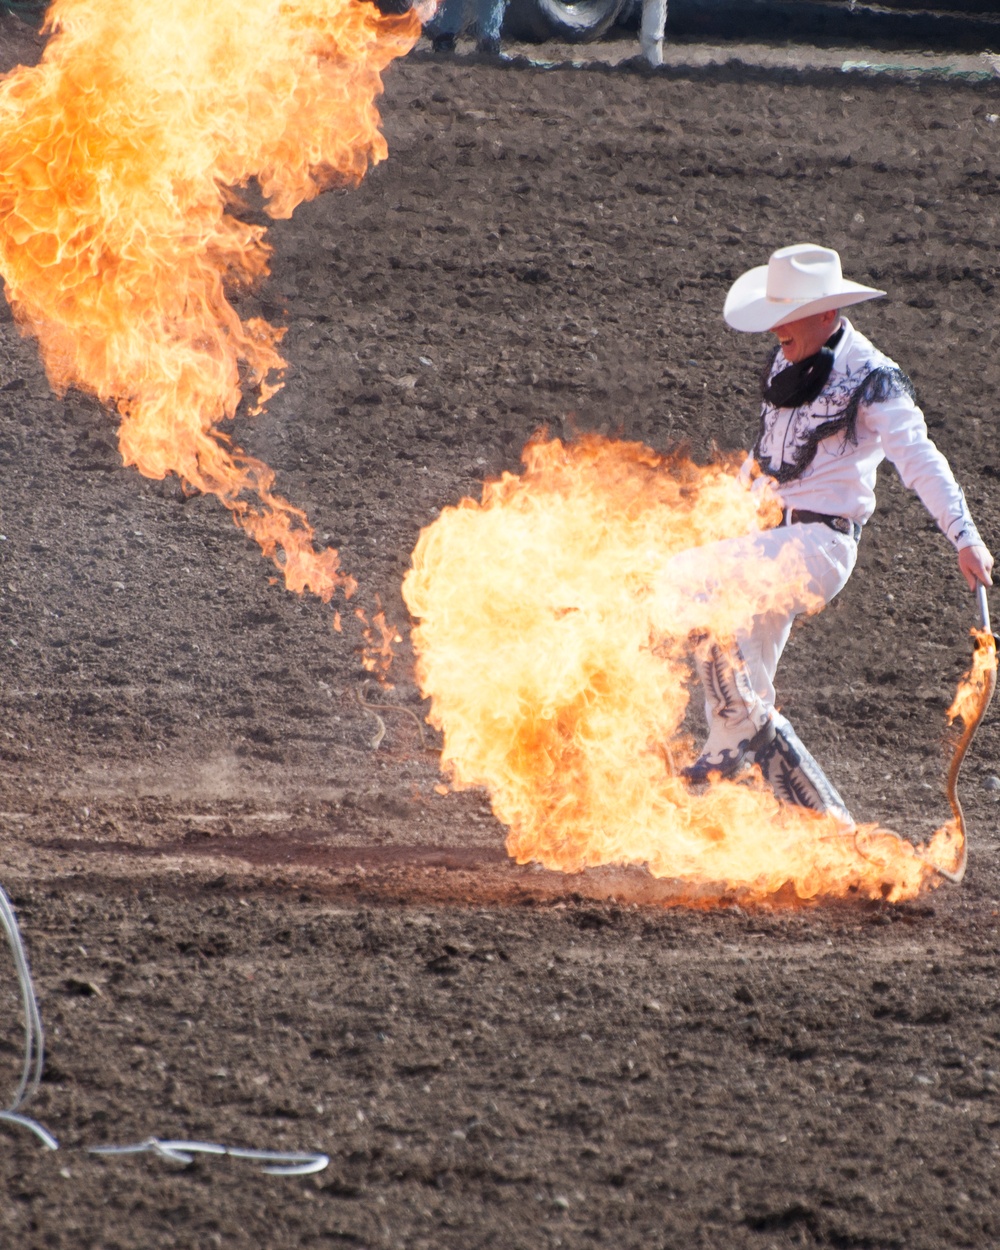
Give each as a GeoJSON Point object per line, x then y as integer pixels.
{"type": "Point", "coordinates": [554, 622]}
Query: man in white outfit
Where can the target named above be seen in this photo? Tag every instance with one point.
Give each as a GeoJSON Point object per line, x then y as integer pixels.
{"type": "Point", "coordinates": [833, 408]}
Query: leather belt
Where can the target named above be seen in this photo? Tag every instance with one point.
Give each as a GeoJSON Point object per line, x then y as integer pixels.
{"type": "Point", "coordinates": [842, 524]}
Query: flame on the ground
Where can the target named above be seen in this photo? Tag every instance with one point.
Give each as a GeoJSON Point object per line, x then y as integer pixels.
{"type": "Point", "coordinates": [119, 154]}
{"type": "Point", "coordinates": [553, 640]}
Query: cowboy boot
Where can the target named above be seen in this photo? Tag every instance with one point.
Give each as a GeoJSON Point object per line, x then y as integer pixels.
{"type": "Point", "coordinates": [795, 777]}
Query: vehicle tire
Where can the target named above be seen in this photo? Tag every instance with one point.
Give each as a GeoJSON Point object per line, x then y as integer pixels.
{"type": "Point", "coordinates": [580, 22]}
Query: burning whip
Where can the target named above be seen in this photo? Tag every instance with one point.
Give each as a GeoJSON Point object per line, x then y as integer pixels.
{"type": "Point", "coordinates": [971, 701]}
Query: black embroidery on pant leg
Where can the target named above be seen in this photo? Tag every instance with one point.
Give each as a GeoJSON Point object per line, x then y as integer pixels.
{"type": "Point", "coordinates": [722, 691]}
{"type": "Point", "coordinates": [795, 777]}
{"type": "Point", "coordinates": [721, 674]}
{"type": "Point", "coordinates": [727, 763]}
{"type": "Point", "coordinates": [781, 766]}
{"type": "Point", "coordinates": [875, 388]}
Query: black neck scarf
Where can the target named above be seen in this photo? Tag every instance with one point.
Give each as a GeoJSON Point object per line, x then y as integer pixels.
{"type": "Point", "coordinates": [801, 383]}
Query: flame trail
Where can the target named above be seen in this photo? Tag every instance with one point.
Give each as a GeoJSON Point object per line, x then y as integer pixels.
{"type": "Point", "coordinates": [118, 156]}
{"type": "Point", "coordinates": [551, 641]}
{"type": "Point", "coordinates": [972, 698]}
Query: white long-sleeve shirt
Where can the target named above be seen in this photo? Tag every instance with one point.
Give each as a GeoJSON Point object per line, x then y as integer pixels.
{"type": "Point", "coordinates": [838, 477]}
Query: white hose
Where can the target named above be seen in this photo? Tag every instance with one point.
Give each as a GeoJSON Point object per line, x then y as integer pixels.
{"type": "Point", "coordinates": [34, 1034]}
{"type": "Point", "coordinates": [285, 1162]}
{"type": "Point", "coordinates": [279, 1162]}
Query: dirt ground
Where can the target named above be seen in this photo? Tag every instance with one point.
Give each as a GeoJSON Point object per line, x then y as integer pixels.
{"type": "Point", "coordinates": [249, 925]}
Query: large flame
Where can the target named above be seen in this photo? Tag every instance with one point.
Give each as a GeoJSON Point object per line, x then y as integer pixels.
{"type": "Point", "coordinates": [118, 243]}
{"type": "Point", "coordinates": [553, 639]}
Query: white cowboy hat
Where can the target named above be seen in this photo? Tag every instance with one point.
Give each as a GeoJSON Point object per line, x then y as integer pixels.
{"type": "Point", "coordinates": [796, 282]}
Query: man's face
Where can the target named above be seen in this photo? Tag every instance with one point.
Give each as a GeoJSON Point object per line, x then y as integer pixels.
{"type": "Point", "coordinates": [805, 337]}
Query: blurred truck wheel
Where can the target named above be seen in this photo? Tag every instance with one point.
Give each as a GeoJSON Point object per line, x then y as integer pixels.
{"type": "Point", "coordinates": [538, 20]}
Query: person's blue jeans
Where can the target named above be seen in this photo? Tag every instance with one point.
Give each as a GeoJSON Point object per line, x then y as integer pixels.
{"type": "Point", "coordinates": [487, 14]}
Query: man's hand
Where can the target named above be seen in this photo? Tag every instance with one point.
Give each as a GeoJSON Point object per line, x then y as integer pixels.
{"type": "Point", "coordinates": [976, 564]}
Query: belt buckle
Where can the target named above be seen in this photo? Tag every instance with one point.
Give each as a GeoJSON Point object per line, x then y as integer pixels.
{"type": "Point", "coordinates": [841, 525]}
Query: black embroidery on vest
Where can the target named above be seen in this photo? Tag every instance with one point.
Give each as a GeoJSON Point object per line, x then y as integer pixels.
{"type": "Point", "coordinates": [875, 388]}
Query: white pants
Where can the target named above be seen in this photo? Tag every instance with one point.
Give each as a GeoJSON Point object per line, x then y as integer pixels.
{"type": "Point", "coordinates": [736, 709]}
{"type": "Point", "coordinates": [654, 21]}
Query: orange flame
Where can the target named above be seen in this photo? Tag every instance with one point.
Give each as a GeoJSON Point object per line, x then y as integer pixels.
{"type": "Point", "coordinates": [379, 635]}
{"type": "Point", "coordinates": [118, 153]}
{"type": "Point", "coordinates": [975, 686]}
{"type": "Point", "coordinates": [552, 639]}
{"type": "Point", "coordinates": [972, 698]}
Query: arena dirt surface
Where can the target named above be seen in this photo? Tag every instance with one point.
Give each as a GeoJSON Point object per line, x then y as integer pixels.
{"type": "Point", "coordinates": [248, 925]}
